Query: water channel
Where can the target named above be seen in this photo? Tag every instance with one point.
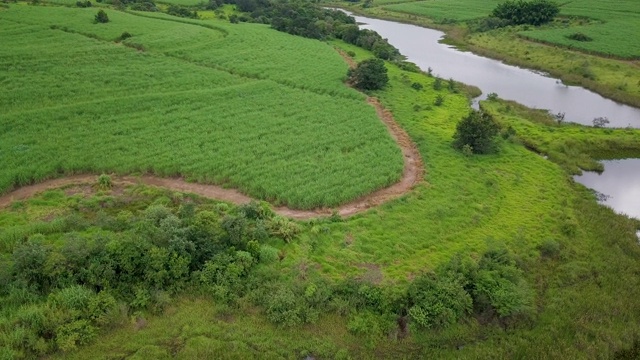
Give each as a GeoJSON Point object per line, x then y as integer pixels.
{"type": "Point", "coordinates": [619, 184]}
{"type": "Point", "coordinates": [535, 90]}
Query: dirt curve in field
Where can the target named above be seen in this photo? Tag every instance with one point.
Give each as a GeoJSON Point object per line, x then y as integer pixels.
{"type": "Point", "coordinates": [412, 175]}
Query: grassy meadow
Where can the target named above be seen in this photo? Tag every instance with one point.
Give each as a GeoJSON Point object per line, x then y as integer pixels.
{"type": "Point", "coordinates": [613, 28]}
{"type": "Point", "coordinates": [248, 107]}
{"type": "Point", "coordinates": [185, 99]}
{"type": "Point", "coordinates": [445, 10]}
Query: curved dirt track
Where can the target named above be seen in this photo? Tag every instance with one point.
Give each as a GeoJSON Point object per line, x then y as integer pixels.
{"type": "Point", "coordinates": [412, 175]}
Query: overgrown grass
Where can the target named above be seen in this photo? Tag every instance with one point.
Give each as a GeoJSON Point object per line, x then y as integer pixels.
{"type": "Point", "coordinates": [199, 101]}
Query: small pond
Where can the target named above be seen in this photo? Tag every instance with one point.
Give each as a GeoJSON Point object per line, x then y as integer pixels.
{"type": "Point", "coordinates": [618, 185]}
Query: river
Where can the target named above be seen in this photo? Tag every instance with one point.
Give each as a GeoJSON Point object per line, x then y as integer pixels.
{"type": "Point", "coordinates": [533, 89]}
{"type": "Point", "coordinates": [619, 184]}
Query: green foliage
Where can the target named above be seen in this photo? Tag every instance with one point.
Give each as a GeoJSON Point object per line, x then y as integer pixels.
{"type": "Point", "coordinates": [370, 74]}
{"type": "Point", "coordinates": [499, 286]}
{"type": "Point", "coordinates": [438, 301]}
{"type": "Point", "coordinates": [478, 130]}
{"type": "Point", "coordinates": [105, 182]}
{"type": "Point", "coordinates": [326, 164]}
{"type": "Point", "coordinates": [101, 17]}
{"type": "Point", "coordinates": [534, 12]}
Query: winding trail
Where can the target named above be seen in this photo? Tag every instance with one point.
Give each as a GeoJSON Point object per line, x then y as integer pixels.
{"type": "Point", "coordinates": [412, 174]}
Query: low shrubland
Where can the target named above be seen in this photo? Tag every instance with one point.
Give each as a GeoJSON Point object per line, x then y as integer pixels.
{"type": "Point", "coordinates": [120, 257]}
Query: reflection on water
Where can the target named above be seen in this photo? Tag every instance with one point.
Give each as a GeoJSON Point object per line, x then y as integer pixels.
{"type": "Point", "coordinates": [420, 46]}
{"type": "Point", "coordinates": [620, 183]}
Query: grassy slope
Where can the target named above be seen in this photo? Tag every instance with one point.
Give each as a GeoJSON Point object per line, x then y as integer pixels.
{"type": "Point", "coordinates": [199, 101]}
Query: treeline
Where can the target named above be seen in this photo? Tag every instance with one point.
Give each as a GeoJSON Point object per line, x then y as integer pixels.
{"type": "Point", "coordinates": [106, 263]}
{"type": "Point", "coordinates": [518, 12]}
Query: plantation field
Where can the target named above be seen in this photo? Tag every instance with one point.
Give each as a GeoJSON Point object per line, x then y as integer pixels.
{"type": "Point", "coordinates": [193, 99]}
{"type": "Point", "coordinates": [615, 33]}
{"type": "Point", "coordinates": [446, 10]}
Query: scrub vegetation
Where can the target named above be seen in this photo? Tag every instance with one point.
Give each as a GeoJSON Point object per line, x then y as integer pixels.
{"type": "Point", "coordinates": [497, 255]}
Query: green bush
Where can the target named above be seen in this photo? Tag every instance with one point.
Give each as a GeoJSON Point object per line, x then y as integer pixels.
{"type": "Point", "coordinates": [370, 74]}
{"type": "Point", "coordinates": [438, 300]}
{"type": "Point", "coordinates": [536, 12]}
{"type": "Point", "coordinates": [478, 130]}
{"type": "Point", "coordinates": [101, 17]}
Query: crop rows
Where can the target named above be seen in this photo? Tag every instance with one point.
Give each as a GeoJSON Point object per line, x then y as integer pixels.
{"type": "Point", "coordinates": [615, 34]}
{"type": "Point", "coordinates": [458, 10]}
{"type": "Point", "coordinates": [89, 104]}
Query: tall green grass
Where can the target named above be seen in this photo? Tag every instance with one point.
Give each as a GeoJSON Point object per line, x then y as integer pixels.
{"type": "Point", "coordinates": [614, 32]}
{"type": "Point", "coordinates": [446, 10]}
{"type": "Point", "coordinates": [199, 101]}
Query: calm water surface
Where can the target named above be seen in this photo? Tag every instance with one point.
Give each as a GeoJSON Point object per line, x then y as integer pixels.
{"type": "Point", "coordinates": [420, 46]}
{"type": "Point", "coordinates": [619, 183]}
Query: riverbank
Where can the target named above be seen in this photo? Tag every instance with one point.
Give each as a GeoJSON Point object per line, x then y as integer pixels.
{"type": "Point", "coordinates": [608, 77]}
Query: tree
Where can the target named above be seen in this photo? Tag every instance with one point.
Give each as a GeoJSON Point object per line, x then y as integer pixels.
{"type": "Point", "coordinates": [101, 17]}
{"type": "Point", "coordinates": [478, 130]}
{"type": "Point", "coordinates": [370, 74]}
{"type": "Point", "coordinates": [536, 12]}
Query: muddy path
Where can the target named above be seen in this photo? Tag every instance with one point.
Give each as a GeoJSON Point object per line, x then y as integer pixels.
{"type": "Point", "coordinates": [412, 174]}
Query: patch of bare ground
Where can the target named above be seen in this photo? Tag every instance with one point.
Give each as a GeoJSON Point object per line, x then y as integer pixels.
{"type": "Point", "coordinates": [412, 175]}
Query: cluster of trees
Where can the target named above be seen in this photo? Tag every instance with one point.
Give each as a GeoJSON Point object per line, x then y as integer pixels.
{"type": "Point", "coordinates": [309, 20]}
{"type": "Point", "coordinates": [112, 265]}
{"type": "Point", "coordinates": [535, 12]}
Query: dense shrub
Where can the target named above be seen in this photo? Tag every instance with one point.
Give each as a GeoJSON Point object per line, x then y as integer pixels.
{"type": "Point", "coordinates": [438, 301]}
{"type": "Point", "coordinates": [101, 17]}
{"type": "Point", "coordinates": [535, 12]}
{"type": "Point", "coordinates": [181, 11]}
{"type": "Point", "coordinates": [477, 130]}
{"type": "Point", "coordinates": [370, 74]}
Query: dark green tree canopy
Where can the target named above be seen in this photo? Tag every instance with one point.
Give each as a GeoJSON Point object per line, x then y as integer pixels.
{"type": "Point", "coordinates": [370, 74]}
{"type": "Point", "coordinates": [536, 12]}
{"type": "Point", "coordinates": [101, 17]}
{"type": "Point", "coordinates": [477, 130]}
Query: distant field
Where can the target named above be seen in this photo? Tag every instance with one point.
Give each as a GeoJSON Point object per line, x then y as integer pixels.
{"type": "Point", "coordinates": [616, 36]}
{"type": "Point", "coordinates": [389, 2]}
{"type": "Point", "coordinates": [197, 101]}
{"type": "Point", "coordinates": [458, 10]}
{"type": "Point", "coordinates": [615, 33]}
